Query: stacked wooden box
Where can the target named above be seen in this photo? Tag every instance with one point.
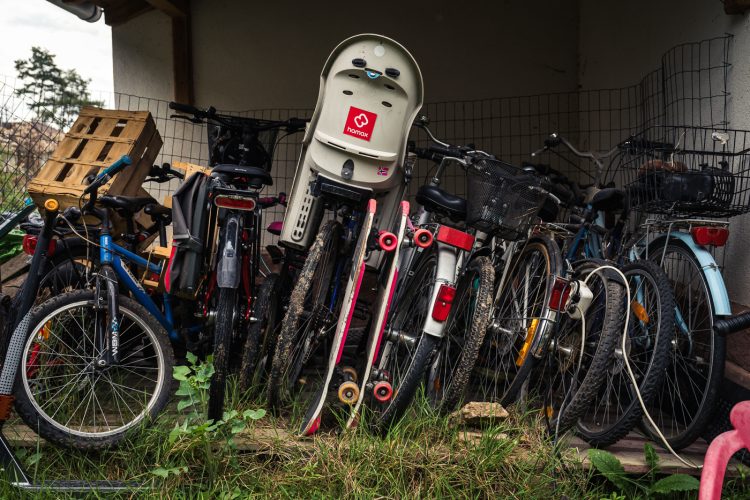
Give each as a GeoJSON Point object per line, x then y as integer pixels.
{"type": "Point", "coordinates": [97, 139]}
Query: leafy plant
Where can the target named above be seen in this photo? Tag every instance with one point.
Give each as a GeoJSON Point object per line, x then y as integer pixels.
{"type": "Point", "coordinates": [214, 442]}
{"type": "Point", "coordinates": [647, 485]}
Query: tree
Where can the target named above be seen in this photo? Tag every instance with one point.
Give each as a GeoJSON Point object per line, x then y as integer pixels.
{"type": "Point", "coordinates": [55, 95]}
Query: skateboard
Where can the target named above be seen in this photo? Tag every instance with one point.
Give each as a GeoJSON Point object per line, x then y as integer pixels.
{"type": "Point", "coordinates": [381, 390]}
{"type": "Point", "coordinates": [312, 418]}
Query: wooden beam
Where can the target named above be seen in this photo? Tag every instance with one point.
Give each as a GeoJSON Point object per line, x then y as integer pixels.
{"type": "Point", "coordinates": [122, 12]}
{"type": "Point", "coordinates": [182, 59]}
{"type": "Point", "coordinates": [173, 8]}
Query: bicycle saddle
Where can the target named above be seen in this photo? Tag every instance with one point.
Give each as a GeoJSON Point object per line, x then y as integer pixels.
{"type": "Point", "coordinates": [256, 177]}
{"type": "Point", "coordinates": [608, 199]}
{"type": "Point", "coordinates": [441, 202]}
{"type": "Point", "coordinates": [157, 211]}
{"type": "Point", "coordinates": [129, 204]}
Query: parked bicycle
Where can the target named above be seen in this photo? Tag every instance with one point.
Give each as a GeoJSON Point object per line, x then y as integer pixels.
{"type": "Point", "coordinates": [217, 240]}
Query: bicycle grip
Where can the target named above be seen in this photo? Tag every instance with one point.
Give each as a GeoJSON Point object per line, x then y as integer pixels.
{"type": "Point", "coordinates": [113, 169]}
{"type": "Point", "coordinates": [732, 324]}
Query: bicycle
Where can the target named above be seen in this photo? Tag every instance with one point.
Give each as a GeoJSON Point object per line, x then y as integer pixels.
{"type": "Point", "coordinates": [353, 167]}
{"type": "Point", "coordinates": [91, 388]}
{"type": "Point", "coordinates": [227, 222]}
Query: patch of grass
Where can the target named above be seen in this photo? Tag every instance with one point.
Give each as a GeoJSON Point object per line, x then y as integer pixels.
{"type": "Point", "coordinates": [423, 456]}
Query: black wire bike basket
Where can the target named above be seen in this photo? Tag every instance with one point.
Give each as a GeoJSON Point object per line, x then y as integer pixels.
{"type": "Point", "coordinates": [502, 199]}
{"type": "Point", "coordinates": [226, 142]}
{"type": "Point", "coordinates": [687, 171]}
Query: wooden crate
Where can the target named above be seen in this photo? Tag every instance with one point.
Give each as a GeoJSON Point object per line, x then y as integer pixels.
{"type": "Point", "coordinates": [97, 139]}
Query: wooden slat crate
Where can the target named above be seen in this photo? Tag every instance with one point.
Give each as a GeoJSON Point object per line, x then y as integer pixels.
{"type": "Point", "coordinates": [97, 139]}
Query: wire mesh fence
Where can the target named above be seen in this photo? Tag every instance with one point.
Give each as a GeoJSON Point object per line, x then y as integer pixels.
{"type": "Point", "coordinates": [689, 88]}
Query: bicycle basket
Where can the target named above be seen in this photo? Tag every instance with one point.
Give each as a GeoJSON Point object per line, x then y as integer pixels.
{"type": "Point", "coordinates": [688, 171]}
{"type": "Point", "coordinates": [502, 200]}
{"type": "Point", "coordinates": [226, 144]}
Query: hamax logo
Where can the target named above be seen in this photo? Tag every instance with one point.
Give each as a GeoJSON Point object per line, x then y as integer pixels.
{"type": "Point", "coordinates": [360, 123]}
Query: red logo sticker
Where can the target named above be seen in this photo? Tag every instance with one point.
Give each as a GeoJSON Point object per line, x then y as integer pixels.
{"type": "Point", "coordinates": [360, 123]}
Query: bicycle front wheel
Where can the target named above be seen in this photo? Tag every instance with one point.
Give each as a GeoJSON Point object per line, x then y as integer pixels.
{"type": "Point", "coordinates": [64, 392]}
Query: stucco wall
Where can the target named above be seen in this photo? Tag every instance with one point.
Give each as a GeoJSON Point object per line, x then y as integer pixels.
{"type": "Point", "coordinates": [249, 55]}
{"type": "Point", "coordinates": [620, 41]}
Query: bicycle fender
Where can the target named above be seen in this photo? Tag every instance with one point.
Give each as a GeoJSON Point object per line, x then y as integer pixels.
{"type": "Point", "coordinates": [228, 268]}
{"type": "Point", "coordinates": [711, 271]}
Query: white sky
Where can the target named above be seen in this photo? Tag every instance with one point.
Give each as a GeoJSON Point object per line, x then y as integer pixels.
{"type": "Point", "coordinates": [85, 47]}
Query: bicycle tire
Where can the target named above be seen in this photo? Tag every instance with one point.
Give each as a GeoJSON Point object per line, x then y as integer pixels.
{"type": "Point", "coordinates": [226, 307]}
{"type": "Point", "coordinates": [679, 371]}
{"type": "Point", "coordinates": [315, 271]}
{"type": "Point", "coordinates": [647, 349]}
{"type": "Point", "coordinates": [408, 314]}
{"type": "Point", "coordinates": [31, 409]}
{"type": "Point", "coordinates": [572, 390]}
{"type": "Point", "coordinates": [538, 261]}
{"type": "Point", "coordinates": [259, 331]}
{"type": "Point", "coordinates": [472, 303]}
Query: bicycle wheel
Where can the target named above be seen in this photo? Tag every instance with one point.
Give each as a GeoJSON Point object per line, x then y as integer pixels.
{"type": "Point", "coordinates": [226, 308]}
{"type": "Point", "coordinates": [260, 330]}
{"type": "Point", "coordinates": [63, 393]}
{"type": "Point", "coordinates": [464, 332]}
{"type": "Point", "coordinates": [617, 409]}
{"type": "Point", "coordinates": [407, 350]}
{"type": "Point", "coordinates": [686, 400]}
{"type": "Point", "coordinates": [581, 356]}
{"type": "Point", "coordinates": [519, 313]}
{"type": "Point", "coordinates": [310, 322]}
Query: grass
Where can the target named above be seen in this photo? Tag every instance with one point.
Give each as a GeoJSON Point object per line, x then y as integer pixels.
{"type": "Point", "coordinates": [423, 456]}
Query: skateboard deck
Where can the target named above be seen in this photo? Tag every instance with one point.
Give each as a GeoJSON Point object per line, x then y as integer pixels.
{"type": "Point", "coordinates": [315, 410]}
{"type": "Point", "coordinates": [387, 286]}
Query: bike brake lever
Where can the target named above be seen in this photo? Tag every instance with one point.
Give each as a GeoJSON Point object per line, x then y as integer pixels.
{"type": "Point", "coordinates": [192, 119]}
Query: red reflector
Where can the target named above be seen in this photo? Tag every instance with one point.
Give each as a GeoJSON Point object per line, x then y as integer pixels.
{"type": "Point", "coordinates": [455, 238]}
{"type": "Point", "coordinates": [234, 202]}
{"type": "Point", "coordinates": [560, 294]}
{"type": "Point", "coordinates": [715, 236]}
{"type": "Point", "coordinates": [443, 302]}
{"type": "Point", "coordinates": [29, 244]}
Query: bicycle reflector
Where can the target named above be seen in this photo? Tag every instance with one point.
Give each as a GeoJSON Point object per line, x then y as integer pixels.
{"type": "Point", "coordinates": [234, 202]}
{"type": "Point", "coordinates": [560, 294]}
{"type": "Point", "coordinates": [443, 302]}
{"type": "Point", "coordinates": [29, 245]}
{"type": "Point", "coordinates": [713, 236]}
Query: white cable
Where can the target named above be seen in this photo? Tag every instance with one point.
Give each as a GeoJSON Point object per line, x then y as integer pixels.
{"type": "Point", "coordinates": [630, 370]}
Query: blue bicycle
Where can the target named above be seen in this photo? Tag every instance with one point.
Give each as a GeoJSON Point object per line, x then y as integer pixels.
{"type": "Point", "coordinates": [95, 364]}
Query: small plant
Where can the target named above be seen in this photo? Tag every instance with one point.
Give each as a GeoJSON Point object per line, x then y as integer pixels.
{"type": "Point", "coordinates": [647, 485]}
{"type": "Point", "coordinates": [196, 435]}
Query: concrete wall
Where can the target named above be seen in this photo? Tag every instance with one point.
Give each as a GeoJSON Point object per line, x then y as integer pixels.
{"type": "Point", "coordinates": [620, 41]}
{"type": "Point", "coordinates": [249, 55]}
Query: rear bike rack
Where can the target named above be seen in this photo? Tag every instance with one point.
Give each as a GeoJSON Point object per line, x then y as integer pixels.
{"type": "Point", "coordinates": [17, 476]}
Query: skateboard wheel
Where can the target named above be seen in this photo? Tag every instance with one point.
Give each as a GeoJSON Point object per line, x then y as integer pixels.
{"type": "Point", "coordinates": [349, 393]}
{"type": "Point", "coordinates": [423, 238]}
{"type": "Point", "coordinates": [350, 374]}
{"type": "Point", "coordinates": [382, 392]}
{"type": "Point", "coordinates": [387, 241]}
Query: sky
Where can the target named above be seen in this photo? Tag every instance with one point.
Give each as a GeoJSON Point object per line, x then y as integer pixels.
{"type": "Point", "coordinates": [85, 47]}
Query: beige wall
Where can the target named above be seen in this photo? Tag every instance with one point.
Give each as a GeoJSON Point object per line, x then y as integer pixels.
{"type": "Point", "coordinates": [250, 55]}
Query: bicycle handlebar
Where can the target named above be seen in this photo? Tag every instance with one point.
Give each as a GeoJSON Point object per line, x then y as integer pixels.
{"type": "Point", "coordinates": [105, 176]}
{"type": "Point", "coordinates": [291, 125]}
